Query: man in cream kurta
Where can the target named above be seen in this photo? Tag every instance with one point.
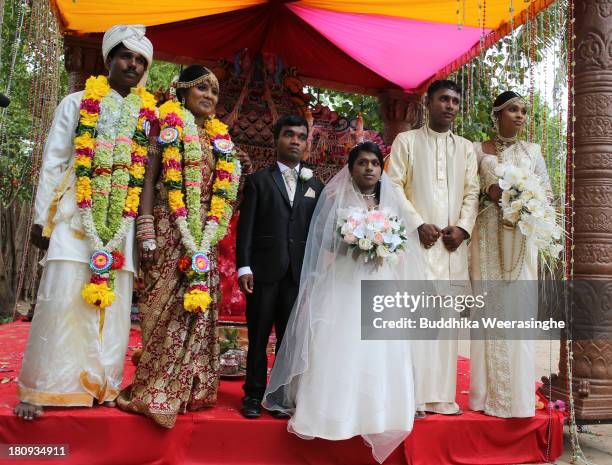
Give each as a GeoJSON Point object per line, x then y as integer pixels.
{"type": "Point", "coordinates": [436, 172]}
{"type": "Point", "coordinates": [75, 354]}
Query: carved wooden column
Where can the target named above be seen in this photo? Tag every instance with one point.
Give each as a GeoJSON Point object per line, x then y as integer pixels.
{"type": "Point", "coordinates": [592, 367]}
{"type": "Point", "coordinates": [82, 58]}
{"type": "Point", "coordinates": [400, 112]}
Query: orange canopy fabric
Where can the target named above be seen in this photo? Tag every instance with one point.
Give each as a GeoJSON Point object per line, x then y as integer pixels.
{"type": "Point", "coordinates": [84, 16]}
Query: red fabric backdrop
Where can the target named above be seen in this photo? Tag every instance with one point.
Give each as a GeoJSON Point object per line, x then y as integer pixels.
{"type": "Point", "coordinates": [232, 302]}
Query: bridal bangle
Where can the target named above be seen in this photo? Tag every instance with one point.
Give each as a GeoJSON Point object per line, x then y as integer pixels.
{"type": "Point", "coordinates": [145, 228]}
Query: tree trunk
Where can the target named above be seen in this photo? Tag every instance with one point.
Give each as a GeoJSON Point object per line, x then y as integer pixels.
{"type": "Point", "coordinates": [7, 262]}
{"type": "Point", "coordinates": [13, 236]}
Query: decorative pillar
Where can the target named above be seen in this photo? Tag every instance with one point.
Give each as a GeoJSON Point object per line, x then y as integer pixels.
{"type": "Point", "coordinates": [400, 112]}
{"type": "Point", "coordinates": [592, 357]}
{"type": "Point", "coordinates": [82, 58]}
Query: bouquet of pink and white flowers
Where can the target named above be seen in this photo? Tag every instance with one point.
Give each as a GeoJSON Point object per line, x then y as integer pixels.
{"type": "Point", "coordinates": [376, 234]}
{"type": "Point", "coordinates": [524, 203]}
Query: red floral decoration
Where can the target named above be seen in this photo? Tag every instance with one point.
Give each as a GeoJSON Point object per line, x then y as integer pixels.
{"type": "Point", "coordinates": [118, 260]}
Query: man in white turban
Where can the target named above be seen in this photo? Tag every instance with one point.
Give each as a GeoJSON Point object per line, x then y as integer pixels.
{"type": "Point", "coordinates": [132, 38]}
{"type": "Point", "coordinates": [75, 351]}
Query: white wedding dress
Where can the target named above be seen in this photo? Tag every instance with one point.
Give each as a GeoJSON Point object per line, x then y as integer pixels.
{"type": "Point", "coordinates": [333, 384]}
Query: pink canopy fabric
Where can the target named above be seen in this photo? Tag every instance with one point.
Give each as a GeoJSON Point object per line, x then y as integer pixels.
{"type": "Point", "coordinates": [404, 51]}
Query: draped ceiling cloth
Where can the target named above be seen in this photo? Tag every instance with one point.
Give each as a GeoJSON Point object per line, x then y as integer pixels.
{"type": "Point", "coordinates": [366, 45]}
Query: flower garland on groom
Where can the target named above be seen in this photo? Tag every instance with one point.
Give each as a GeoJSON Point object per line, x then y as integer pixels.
{"type": "Point", "coordinates": [109, 176]}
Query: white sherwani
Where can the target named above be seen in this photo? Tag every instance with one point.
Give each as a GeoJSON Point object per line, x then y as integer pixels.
{"type": "Point", "coordinates": [437, 175]}
{"type": "Point", "coordinates": [71, 358]}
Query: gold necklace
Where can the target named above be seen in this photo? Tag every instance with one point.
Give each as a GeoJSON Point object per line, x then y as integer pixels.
{"type": "Point", "coordinates": [502, 225]}
{"type": "Point", "coordinates": [514, 264]}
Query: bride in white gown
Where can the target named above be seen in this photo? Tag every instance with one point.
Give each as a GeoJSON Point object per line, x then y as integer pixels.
{"type": "Point", "coordinates": [333, 384]}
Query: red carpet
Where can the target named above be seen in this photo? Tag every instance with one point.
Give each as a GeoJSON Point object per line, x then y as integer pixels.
{"type": "Point", "coordinates": [221, 436]}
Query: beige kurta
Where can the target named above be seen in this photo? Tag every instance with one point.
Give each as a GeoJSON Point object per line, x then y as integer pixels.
{"type": "Point", "coordinates": [437, 175]}
{"type": "Point", "coordinates": [68, 361]}
{"type": "Point", "coordinates": [502, 378]}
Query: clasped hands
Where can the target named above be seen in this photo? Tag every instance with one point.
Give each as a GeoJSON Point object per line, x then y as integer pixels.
{"type": "Point", "coordinates": [452, 236]}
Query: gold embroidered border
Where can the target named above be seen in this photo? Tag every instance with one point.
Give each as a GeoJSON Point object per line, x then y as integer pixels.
{"type": "Point", "coordinates": [58, 193]}
{"type": "Point", "coordinates": [54, 399]}
{"type": "Point", "coordinates": [102, 393]}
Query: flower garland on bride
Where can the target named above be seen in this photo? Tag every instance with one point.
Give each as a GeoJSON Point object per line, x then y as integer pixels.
{"type": "Point", "coordinates": [110, 156]}
{"type": "Point", "coordinates": [182, 175]}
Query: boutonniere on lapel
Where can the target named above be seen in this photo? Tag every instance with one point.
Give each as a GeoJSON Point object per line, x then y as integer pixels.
{"type": "Point", "coordinates": [305, 174]}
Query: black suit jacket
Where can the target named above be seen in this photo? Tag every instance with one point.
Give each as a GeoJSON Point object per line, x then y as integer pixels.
{"type": "Point", "coordinates": [272, 234]}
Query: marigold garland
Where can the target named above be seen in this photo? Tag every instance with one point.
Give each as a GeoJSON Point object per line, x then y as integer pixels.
{"type": "Point", "coordinates": [109, 176]}
{"type": "Point", "coordinates": [182, 175]}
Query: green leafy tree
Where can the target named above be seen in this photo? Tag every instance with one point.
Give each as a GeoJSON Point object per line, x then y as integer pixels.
{"type": "Point", "coordinates": [161, 75]}
{"type": "Point", "coordinates": [350, 105]}
{"type": "Point", "coordinates": [20, 61]}
{"type": "Point", "coordinates": [509, 65]}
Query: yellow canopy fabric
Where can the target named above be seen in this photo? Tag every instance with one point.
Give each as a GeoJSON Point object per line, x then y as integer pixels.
{"type": "Point", "coordinates": [494, 12]}
{"type": "Point", "coordinates": [84, 16]}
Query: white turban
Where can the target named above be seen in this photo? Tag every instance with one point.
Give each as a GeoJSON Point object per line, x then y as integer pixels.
{"type": "Point", "coordinates": [132, 36]}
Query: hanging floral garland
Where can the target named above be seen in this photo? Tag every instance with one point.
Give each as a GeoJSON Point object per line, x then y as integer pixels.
{"type": "Point", "coordinates": [182, 160]}
{"type": "Point", "coordinates": [111, 154]}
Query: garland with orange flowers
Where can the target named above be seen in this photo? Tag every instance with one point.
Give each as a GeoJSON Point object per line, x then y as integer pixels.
{"type": "Point", "coordinates": [109, 176]}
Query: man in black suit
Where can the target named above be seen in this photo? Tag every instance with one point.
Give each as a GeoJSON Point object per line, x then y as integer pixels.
{"type": "Point", "coordinates": [274, 219]}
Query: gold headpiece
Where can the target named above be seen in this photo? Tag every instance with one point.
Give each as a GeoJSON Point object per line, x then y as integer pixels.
{"type": "Point", "coordinates": [509, 102]}
{"type": "Point", "coordinates": [208, 77]}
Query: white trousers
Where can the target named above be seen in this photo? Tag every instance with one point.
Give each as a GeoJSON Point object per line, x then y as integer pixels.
{"type": "Point", "coordinates": [73, 357]}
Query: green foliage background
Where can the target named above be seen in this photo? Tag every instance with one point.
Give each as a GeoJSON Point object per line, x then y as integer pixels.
{"type": "Point", "coordinates": [16, 119]}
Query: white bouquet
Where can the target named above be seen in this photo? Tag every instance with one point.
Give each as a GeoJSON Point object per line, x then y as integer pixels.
{"type": "Point", "coordinates": [524, 203]}
{"type": "Point", "coordinates": [377, 234]}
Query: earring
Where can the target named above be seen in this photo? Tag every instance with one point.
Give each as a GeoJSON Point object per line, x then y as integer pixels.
{"type": "Point", "coordinates": [183, 101]}
{"type": "Point", "coordinates": [495, 125]}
